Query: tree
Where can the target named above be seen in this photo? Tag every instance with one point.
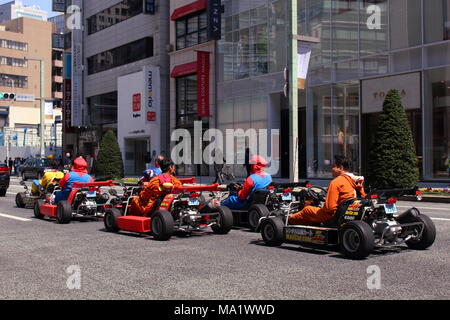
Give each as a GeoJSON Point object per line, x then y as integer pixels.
{"type": "Point", "coordinates": [393, 160]}
{"type": "Point", "coordinates": [109, 163]}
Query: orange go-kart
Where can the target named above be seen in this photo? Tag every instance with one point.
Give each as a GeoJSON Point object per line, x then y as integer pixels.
{"type": "Point", "coordinates": [184, 210]}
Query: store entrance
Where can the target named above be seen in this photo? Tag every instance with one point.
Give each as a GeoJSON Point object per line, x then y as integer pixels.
{"type": "Point", "coordinates": [136, 156]}
{"type": "Point", "coordinates": [284, 142]}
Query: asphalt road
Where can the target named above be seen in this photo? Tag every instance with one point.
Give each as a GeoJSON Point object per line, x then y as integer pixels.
{"type": "Point", "coordinates": [36, 258]}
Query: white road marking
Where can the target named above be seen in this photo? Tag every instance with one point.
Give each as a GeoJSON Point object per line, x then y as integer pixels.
{"type": "Point", "coordinates": [440, 219]}
{"type": "Point", "coordinates": [425, 208]}
{"type": "Point", "coordinates": [13, 217]}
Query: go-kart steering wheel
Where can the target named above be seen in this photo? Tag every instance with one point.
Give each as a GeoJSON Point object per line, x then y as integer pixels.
{"type": "Point", "coordinates": [317, 193]}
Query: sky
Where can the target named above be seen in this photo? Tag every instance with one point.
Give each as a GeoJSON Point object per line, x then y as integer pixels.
{"type": "Point", "coordinates": [44, 4]}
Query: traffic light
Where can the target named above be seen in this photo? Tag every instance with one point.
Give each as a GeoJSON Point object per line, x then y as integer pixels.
{"type": "Point", "coordinates": [7, 96]}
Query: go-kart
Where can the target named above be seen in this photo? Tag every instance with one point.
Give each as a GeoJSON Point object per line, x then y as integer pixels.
{"type": "Point", "coordinates": [277, 199]}
{"type": "Point", "coordinates": [86, 201]}
{"type": "Point", "coordinates": [359, 226]}
{"type": "Point", "coordinates": [183, 210]}
{"type": "Point", "coordinates": [27, 199]}
{"type": "Point", "coordinates": [182, 180]}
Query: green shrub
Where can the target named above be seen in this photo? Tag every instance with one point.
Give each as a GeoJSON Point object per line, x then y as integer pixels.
{"type": "Point", "coordinates": [393, 160]}
{"type": "Point", "coordinates": [109, 163]}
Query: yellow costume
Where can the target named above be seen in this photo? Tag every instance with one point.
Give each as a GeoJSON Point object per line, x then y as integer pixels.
{"type": "Point", "coordinates": [46, 180]}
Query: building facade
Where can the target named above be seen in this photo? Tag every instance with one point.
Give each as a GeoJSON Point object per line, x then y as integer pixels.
{"type": "Point", "coordinates": [24, 40]}
{"type": "Point", "coordinates": [192, 72]}
{"type": "Point", "coordinates": [366, 48]}
{"type": "Point", "coordinates": [15, 9]}
{"type": "Point", "coordinates": [120, 38]}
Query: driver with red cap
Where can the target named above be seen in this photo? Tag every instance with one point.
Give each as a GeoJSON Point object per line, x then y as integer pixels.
{"type": "Point", "coordinates": [78, 173]}
{"type": "Point", "coordinates": [258, 179]}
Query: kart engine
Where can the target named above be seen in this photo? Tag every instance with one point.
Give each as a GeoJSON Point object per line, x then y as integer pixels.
{"type": "Point", "coordinates": [88, 207]}
{"type": "Point", "coordinates": [388, 228]}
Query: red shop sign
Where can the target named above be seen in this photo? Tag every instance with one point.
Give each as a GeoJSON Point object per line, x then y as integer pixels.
{"type": "Point", "coordinates": [203, 68]}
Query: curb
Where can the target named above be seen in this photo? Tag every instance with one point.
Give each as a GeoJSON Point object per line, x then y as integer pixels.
{"type": "Point", "coordinates": [427, 199]}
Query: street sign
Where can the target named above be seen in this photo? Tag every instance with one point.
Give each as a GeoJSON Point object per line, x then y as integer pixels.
{"type": "Point", "coordinates": [23, 97]}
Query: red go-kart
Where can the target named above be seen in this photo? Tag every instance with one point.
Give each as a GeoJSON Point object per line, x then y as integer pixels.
{"type": "Point", "coordinates": [86, 201]}
{"type": "Point", "coordinates": [183, 210]}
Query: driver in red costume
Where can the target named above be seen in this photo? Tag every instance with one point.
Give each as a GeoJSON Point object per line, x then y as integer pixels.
{"type": "Point", "coordinates": [156, 188]}
{"type": "Point", "coordinates": [345, 186]}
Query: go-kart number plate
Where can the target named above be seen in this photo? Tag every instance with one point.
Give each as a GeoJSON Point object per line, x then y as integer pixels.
{"type": "Point", "coordinates": [193, 202]}
{"type": "Point", "coordinates": [286, 197]}
{"type": "Point", "coordinates": [390, 208]}
{"type": "Point", "coordinates": [91, 194]}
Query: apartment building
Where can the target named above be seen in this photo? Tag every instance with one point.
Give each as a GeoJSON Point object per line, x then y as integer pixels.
{"type": "Point", "coordinates": [24, 42]}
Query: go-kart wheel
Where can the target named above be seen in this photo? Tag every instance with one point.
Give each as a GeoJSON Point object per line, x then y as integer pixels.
{"type": "Point", "coordinates": [255, 213]}
{"type": "Point", "coordinates": [37, 209]}
{"type": "Point", "coordinates": [63, 212]}
{"type": "Point", "coordinates": [225, 221]}
{"type": "Point", "coordinates": [272, 231]}
{"type": "Point", "coordinates": [162, 225]}
{"type": "Point", "coordinates": [110, 220]}
{"type": "Point", "coordinates": [19, 200]}
{"type": "Point", "coordinates": [428, 234]}
{"type": "Point", "coordinates": [357, 240]}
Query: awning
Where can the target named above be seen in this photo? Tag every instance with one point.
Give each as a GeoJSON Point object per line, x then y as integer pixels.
{"type": "Point", "coordinates": [188, 9]}
{"type": "Point", "coordinates": [184, 69]}
{"type": "Point", "coordinates": [4, 111]}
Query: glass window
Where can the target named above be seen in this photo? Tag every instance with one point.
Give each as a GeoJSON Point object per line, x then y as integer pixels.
{"type": "Point", "coordinates": [13, 81]}
{"type": "Point", "coordinates": [373, 27]}
{"type": "Point", "coordinates": [191, 30]}
{"type": "Point", "coordinates": [346, 122]}
{"type": "Point", "coordinates": [344, 15]}
{"type": "Point", "coordinates": [347, 70]}
{"type": "Point", "coordinates": [123, 11]}
{"type": "Point", "coordinates": [375, 65]}
{"type": "Point", "coordinates": [186, 93]}
{"type": "Point", "coordinates": [437, 20]}
{"type": "Point", "coordinates": [278, 21]}
{"type": "Point", "coordinates": [405, 27]}
{"type": "Point", "coordinates": [407, 60]}
{"type": "Point", "coordinates": [437, 55]}
{"type": "Point", "coordinates": [437, 123]}
{"type": "Point", "coordinates": [134, 51]}
{"type": "Point", "coordinates": [103, 108]}
{"type": "Point", "coordinates": [321, 161]}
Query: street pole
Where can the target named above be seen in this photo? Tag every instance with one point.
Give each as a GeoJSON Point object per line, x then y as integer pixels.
{"type": "Point", "coordinates": [293, 96]}
{"type": "Point", "coordinates": [42, 107]}
{"type": "Point", "coordinates": [42, 120]}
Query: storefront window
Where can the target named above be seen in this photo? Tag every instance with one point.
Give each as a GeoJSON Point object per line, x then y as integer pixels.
{"type": "Point", "coordinates": [346, 122]}
{"type": "Point", "coordinates": [437, 20]}
{"type": "Point", "coordinates": [319, 166]}
{"type": "Point", "coordinates": [437, 128]}
{"type": "Point", "coordinates": [186, 91]}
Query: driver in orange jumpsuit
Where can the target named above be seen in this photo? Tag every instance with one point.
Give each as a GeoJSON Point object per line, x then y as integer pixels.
{"type": "Point", "coordinates": [157, 187]}
{"type": "Point", "coordinates": [345, 186]}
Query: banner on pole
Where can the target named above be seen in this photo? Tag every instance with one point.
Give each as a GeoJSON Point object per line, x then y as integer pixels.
{"type": "Point", "coordinates": [303, 58]}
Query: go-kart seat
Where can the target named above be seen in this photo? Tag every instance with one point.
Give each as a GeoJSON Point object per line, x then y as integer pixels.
{"type": "Point", "coordinates": [342, 208]}
{"type": "Point", "coordinates": [259, 196]}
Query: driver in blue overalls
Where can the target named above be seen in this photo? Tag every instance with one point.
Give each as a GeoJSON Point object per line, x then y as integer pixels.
{"type": "Point", "coordinates": [258, 179]}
